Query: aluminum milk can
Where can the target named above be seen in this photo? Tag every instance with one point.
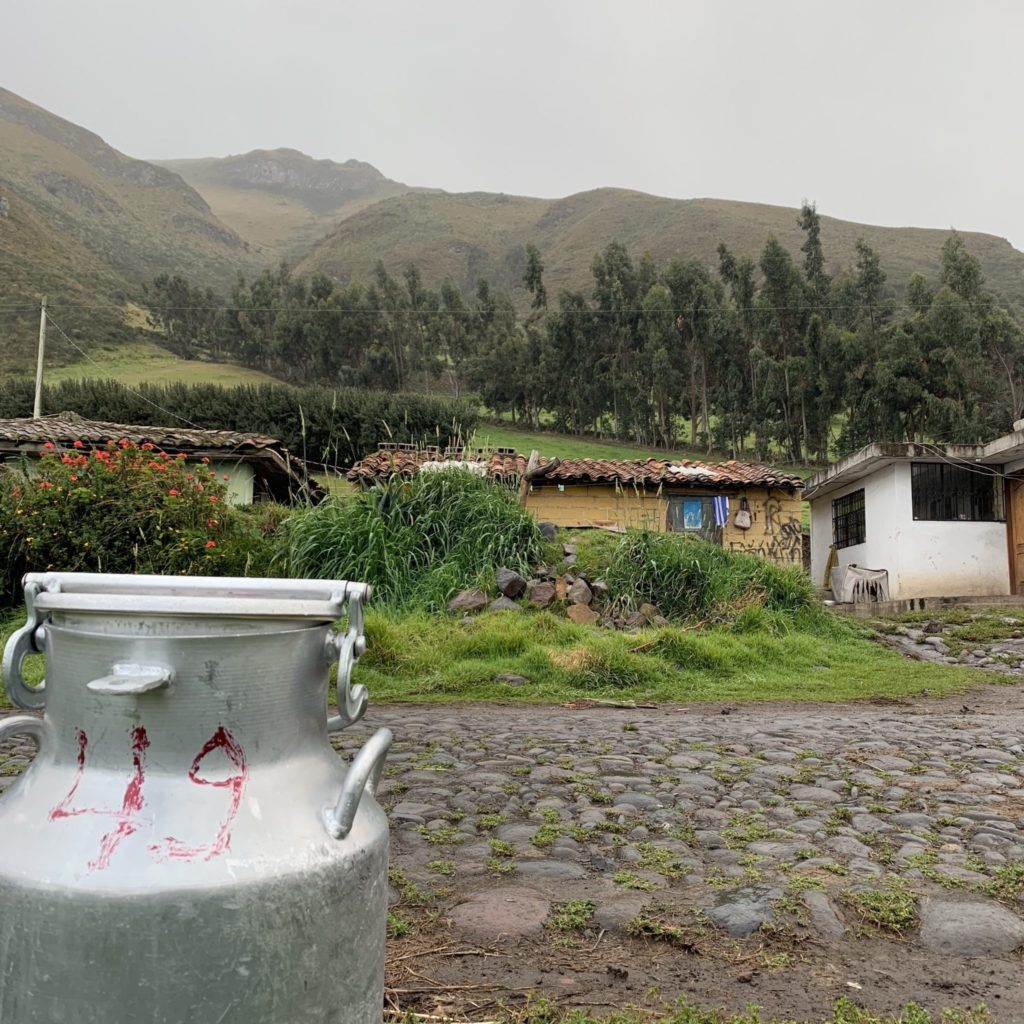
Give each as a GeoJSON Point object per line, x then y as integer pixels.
{"type": "Point", "coordinates": [186, 847]}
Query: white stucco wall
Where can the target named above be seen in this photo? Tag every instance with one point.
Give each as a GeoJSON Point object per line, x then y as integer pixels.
{"type": "Point", "coordinates": [240, 477]}
{"type": "Point", "coordinates": [923, 559]}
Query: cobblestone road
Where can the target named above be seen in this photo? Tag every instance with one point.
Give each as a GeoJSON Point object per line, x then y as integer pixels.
{"type": "Point", "coordinates": [782, 855]}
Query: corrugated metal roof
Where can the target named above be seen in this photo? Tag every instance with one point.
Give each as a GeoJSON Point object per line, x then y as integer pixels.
{"type": "Point", "coordinates": [657, 472]}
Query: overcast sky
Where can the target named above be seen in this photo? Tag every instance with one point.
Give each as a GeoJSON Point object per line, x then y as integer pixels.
{"type": "Point", "coordinates": [893, 112]}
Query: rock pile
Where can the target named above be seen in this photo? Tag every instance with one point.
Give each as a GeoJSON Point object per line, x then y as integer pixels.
{"type": "Point", "coordinates": [585, 600]}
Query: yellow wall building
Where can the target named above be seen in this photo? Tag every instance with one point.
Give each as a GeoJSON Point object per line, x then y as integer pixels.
{"type": "Point", "coordinates": [652, 494]}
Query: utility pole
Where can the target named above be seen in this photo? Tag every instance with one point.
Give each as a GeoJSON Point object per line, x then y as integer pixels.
{"type": "Point", "coordinates": [37, 408]}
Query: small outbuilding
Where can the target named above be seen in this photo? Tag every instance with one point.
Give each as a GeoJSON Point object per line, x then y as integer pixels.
{"type": "Point", "coordinates": [914, 521]}
{"type": "Point", "coordinates": [258, 468]}
{"type": "Point", "coordinates": [742, 506]}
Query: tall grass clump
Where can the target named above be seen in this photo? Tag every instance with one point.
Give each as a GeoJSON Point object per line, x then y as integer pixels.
{"type": "Point", "coordinates": [417, 542]}
{"type": "Point", "coordinates": [686, 577]}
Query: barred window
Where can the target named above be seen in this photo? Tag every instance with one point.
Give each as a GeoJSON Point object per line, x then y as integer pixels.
{"type": "Point", "coordinates": [848, 519]}
{"type": "Point", "coordinates": [941, 492]}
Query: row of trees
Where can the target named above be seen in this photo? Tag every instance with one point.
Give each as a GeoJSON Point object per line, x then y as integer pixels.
{"type": "Point", "coordinates": [775, 357]}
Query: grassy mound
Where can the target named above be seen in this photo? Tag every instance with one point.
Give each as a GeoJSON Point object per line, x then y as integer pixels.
{"type": "Point", "coordinates": [805, 655]}
{"type": "Point", "coordinates": [417, 542]}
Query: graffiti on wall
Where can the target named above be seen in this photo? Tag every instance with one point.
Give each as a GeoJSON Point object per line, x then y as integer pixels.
{"type": "Point", "coordinates": [781, 540]}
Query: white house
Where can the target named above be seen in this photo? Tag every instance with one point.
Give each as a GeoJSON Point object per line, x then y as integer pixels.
{"type": "Point", "coordinates": [941, 521]}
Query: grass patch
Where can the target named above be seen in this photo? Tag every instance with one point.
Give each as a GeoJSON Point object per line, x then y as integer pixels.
{"type": "Point", "coordinates": [415, 656]}
{"type": "Point", "coordinates": [398, 925]}
{"type": "Point", "coordinates": [892, 909]}
{"type": "Point", "coordinates": [540, 1010]}
{"type": "Point", "coordinates": [630, 881]}
{"type": "Point", "coordinates": [417, 542]}
{"type": "Point", "coordinates": [572, 915]}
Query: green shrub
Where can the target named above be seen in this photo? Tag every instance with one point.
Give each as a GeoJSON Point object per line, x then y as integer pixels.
{"type": "Point", "coordinates": [122, 509]}
{"type": "Point", "coordinates": [418, 542]}
{"type": "Point", "coordinates": [689, 578]}
{"type": "Point", "coordinates": [333, 426]}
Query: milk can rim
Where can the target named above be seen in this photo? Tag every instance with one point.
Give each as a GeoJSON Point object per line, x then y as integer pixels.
{"type": "Point", "coordinates": [204, 596]}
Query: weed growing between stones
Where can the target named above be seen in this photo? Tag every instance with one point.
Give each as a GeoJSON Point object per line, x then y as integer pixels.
{"type": "Point", "coordinates": [441, 867]}
{"type": "Point", "coordinates": [892, 909]}
{"type": "Point", "coordinates": [438, 836]}
{"type": "Point", "coordinates": [572, 915]}
{"type": "Point", "coordinates": [644, 927]}
{"type": "Point", "coordinates": [398, 925]}
{"type": "Point", "coordinates": [630, 881]}
{"type": "Point", "coordinates": [540, 1010]}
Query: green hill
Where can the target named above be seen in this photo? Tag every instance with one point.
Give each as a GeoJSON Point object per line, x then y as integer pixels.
{"type": "Point", "coordinates": [283, 201]}
{"type": "Point", "coordinates": [86, 224]}
{"type": "Point", "coordinates": [472, 235]}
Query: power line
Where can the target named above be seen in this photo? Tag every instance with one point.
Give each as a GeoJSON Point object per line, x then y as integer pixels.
{"type": "Point", "coordinates": [141, 397]}
{"type": "Point", "coordinates": [406, 311]}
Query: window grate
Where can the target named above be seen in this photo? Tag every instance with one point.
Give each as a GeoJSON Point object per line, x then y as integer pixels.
{"type": "Point", "coordinates": [944, 493]}
{"type": "Point", "coordinates": [848, 523]}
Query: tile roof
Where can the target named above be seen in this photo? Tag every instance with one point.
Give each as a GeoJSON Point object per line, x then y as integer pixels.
{"type": "Point", "coordinates": [506, 464]}
{"type": "Point", "coordinates": [285, 476]}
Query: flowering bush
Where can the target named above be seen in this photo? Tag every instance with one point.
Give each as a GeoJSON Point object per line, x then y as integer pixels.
{"type": "Point", "coordinates": [122, 508]}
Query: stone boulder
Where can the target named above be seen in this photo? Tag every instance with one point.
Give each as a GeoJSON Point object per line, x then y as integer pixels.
{"type": "Point", "coordinates": [510, 583]}
{"type": "Point", "coordinates": [548, 530]}
{"type": "Point", "coordinates": [468, 601]}
{"type": "Point", "coordinates": [542, 594]}
{"type": "Point", "coordinates": [970, 927]}
{"type": "Point", "coordinates": [503, 604]}
{"type": "Point", "coordinates": [582, 615]}
{"type": "Point", "coordinates": [579, 593]}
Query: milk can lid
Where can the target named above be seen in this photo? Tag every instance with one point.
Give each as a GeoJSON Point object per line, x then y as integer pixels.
{"type": "Point", "coordinates": [219, 597]}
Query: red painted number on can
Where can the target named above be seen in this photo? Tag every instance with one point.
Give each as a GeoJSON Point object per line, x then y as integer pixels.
{"type": "Point", "coordinates": [127, 818]}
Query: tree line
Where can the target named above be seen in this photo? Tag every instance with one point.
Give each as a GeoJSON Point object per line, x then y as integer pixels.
{"type": "Point", "coordinates": [773, 357]}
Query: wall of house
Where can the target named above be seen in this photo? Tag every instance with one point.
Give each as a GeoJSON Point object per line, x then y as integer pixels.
{"type": "Point", "coordinates": [776, 526]}
{"type": "Point", "coordinates": [240, 480]}
{"type": "Point", "coordinates": [923, 559]}
{"type": "Point", "coordinates": [581, 505]}
{"type": "Point", "coordinates": [776, 531]}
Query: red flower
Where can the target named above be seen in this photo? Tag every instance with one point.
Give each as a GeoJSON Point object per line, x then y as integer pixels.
{"type": "Point", "coordinates": [211, 544]}
{"type": "Point", "coordinates": [146, 446]}
{"type": "Point", "coordinates": [124, 442]}
{"type": "Point", "coordinates": [45, 483]}
{"type": "Point", "coordinates": [211, 474]}
{"type": "Point", "coordinates": [78, 444]}
{"type": "Point", "coordinates": [213, 499]}
{"type": "Point", "coordinates": [225, 477]}
{"type": "Point", "coordinates": [172, 492]}
{"type": "Point", "coordinates": [204, 460]}
{"type": "Point", "coordinates": [48, 446]}
{"type": "Point", "coordinates": [73, 477]}
{"type": "Point", "coordinates": [211, 522]}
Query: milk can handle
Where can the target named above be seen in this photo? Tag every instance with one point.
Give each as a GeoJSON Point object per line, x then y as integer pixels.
{"type": "Point", "coordinates": [23, 725]}
{"type": "Point", "coordinates": [30, 639]}
{"type": "Point", "coordinates": [349, 647]}
{"type": "Point", "coordinates": [363, 776]}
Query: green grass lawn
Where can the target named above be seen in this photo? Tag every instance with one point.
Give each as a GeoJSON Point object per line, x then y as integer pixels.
{"type": "Point", "coordinates": [144, 362]}
{"type": "Point", "coordinates": [435, 658]}
{"type": "Point", "coordinates": [418, 657]}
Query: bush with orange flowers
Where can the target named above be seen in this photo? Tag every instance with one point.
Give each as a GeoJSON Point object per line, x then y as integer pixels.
{"type": "Point", "coordinates": [122, 508]}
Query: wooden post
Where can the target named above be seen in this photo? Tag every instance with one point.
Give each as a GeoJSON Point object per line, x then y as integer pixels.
{"type": "Point", "coordinates": [524, 480]}
{"type": "Point", "coordinates": [37, 406]}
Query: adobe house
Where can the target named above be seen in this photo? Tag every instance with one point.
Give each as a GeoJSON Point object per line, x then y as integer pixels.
{"type": "Point", "coordinates": [933, 521]}
{"type": "Point", "coordinates": [650, 494]}
{"type": "Point", "coordinates": [258, 468]}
